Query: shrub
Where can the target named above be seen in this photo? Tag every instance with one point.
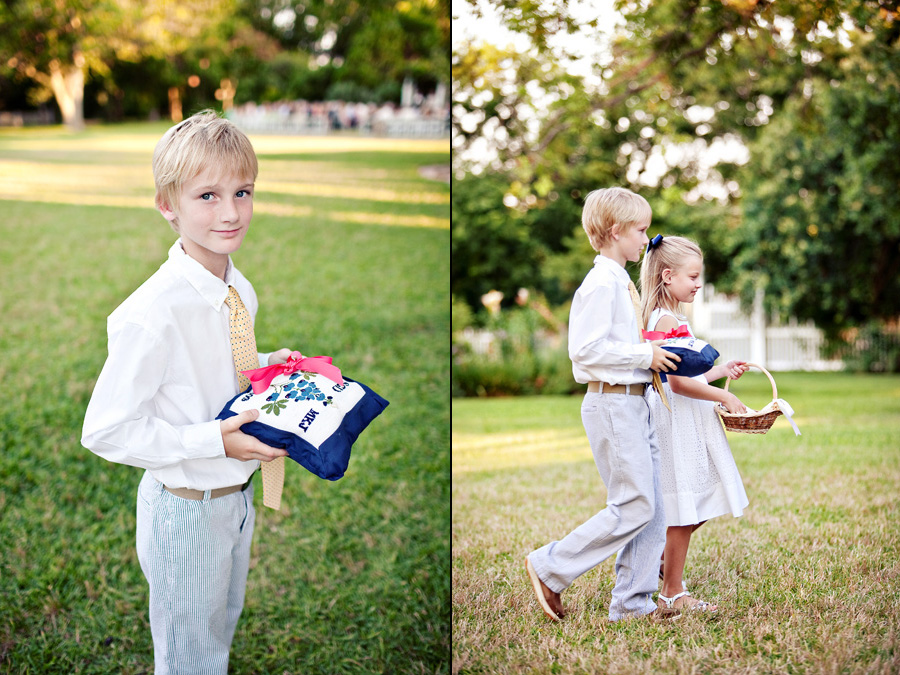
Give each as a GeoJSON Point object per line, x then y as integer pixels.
{"type": "Point", "coordinates": [349, 91]}
{"type": "Point", "coordinates": [876, 349]}
{"type": "Point", "coordinates": [550, 373]}
{"type": "Point", "coordinates": [518, 364]}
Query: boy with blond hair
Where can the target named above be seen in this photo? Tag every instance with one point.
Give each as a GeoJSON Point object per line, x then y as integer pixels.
{"type": "Point", "coordinates": [171, 367]}
{"type": "Point", "coordinates": [610, 358]}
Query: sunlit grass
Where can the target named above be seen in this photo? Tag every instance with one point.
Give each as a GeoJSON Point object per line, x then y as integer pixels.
{"type": "Point", "coordinates": [808, 580]}
{"type": "Point", "coordinates": [473, 452]}
{"type": "Point", "coordinates": [127, 138]}
{"type": "Point", "coordinates": [298, 175]}
{"type": "Point", "coordinates": [359, 192]}
{"type": "Point", "coordinates": [26, 180]}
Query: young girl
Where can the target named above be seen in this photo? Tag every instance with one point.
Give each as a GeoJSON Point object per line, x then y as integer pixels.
{"type": "Point", "coordinates": [699, 477]}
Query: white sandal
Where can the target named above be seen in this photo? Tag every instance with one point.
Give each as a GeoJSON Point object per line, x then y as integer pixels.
{"type": "Point", "coordinates": [698, 606]}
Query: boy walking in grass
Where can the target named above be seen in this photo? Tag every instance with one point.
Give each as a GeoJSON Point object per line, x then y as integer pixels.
{"type": "Point", "coordinates": [608, 355]}
{"type": "Point", "coordinates": [171, 368]}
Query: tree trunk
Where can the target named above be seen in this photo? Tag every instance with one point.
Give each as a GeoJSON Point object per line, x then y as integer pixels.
{"type": "Point", "coordinates": [67, 84]}
{"type": "Point", "coordinates": [226, 93]}
{"type": "Point", "coordinates": [175, 112]}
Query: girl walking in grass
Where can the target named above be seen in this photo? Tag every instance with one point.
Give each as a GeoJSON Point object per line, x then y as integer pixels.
{"type": "Point", "coordinates": [699, 477]}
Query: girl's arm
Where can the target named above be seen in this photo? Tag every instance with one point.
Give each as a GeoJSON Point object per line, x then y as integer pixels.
{"type": "Point", "coordinates": [685, 386]}
{"type": "Point", "coordinates": [732, 369]}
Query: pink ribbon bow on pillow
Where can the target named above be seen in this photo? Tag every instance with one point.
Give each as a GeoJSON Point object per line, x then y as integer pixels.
{"type": "Point", "coordinates": [261, 378]}
{"type": "Point", "coordinates": [681, 331]}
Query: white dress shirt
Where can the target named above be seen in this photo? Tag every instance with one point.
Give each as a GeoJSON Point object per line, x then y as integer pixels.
{"type": "Point", "coordinates": [603, 333]}
{"type": "Point", "coordinates": [168, 374]}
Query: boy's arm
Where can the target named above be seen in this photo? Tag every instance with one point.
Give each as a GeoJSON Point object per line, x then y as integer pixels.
{"type": "Point", "coordinates": [121, 424]}
{"type": "Point", "coordinates": [589, 328]}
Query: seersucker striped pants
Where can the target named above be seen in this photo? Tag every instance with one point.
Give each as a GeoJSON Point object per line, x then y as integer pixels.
{"type": "Point", "coordinates": [195, 555]}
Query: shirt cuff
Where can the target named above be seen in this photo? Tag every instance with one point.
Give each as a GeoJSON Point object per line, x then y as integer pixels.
{"type": "Point", "coordinates": [263, 358]}
{"type": "Point", "coordinates": [203, 441]}
{"type": "Point", "coordinates": [645, 355]}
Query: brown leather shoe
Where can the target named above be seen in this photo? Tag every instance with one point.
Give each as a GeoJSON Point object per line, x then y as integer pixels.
{"type": "Point", "coordinates": [549, 600]}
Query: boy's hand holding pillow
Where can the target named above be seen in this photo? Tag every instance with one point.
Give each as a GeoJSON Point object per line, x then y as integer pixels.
{"type": "Point", "coordinates": [697, 356]}
{"type": "Point", "coordinates": [309, 408]}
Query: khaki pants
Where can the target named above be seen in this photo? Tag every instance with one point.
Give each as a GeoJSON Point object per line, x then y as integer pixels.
{"type": "Point", "coordinates": [623, 441]}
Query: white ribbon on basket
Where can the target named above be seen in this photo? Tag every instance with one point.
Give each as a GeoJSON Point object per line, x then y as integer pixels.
{"type": "Point", "coordinates": [786, 408]}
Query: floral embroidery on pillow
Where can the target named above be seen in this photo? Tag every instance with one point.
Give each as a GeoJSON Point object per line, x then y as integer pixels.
{"type": "Point", "coordinates": [299, 389]}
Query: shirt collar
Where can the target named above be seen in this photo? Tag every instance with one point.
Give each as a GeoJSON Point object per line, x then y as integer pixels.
{"type": "Point", "coordinates": [617, 270]}
{"type": "Point", "coordinates": [209, 286]}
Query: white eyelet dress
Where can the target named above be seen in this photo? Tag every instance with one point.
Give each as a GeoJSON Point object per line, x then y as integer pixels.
{"type": "Point", "coordinates": [699, 477]}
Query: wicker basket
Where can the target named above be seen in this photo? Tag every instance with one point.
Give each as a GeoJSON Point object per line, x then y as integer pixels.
{"type": "Point", "coordinates": [758, 422]}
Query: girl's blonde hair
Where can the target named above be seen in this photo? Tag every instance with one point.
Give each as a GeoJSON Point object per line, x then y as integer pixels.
{"type": "Point", "coordinates": [202, 140]}
{"type": "Point", "coordinates": [610, 206]}
{"type": "Point", "coordinates": [671, 253]}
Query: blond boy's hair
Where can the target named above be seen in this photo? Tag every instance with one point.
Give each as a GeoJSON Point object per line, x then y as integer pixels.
{"type": "Point", "coordinates": [671, 253]}
{"type": "Point", "coordinates": [202, 140]}
{"type": "Point", "coordinates": [612, 206]}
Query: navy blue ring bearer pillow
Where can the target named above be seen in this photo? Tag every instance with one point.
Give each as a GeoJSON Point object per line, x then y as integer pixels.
{"type": "Point", "coordinates": [316, 419]}
{"type": "Point", "coordinates": [697, 356]}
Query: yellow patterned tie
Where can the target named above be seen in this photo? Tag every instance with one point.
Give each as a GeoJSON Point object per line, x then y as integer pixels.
{"type": "Point", "coordinates": [657, 381]}
{"type": "Point", "coordinates": [243, 349]}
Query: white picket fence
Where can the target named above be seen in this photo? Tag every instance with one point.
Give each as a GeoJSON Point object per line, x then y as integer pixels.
{"type": "Point", "coordinates": [718, 319]}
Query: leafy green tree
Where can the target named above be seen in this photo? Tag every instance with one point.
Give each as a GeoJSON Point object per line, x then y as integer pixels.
{"type": "Point", "coordinates": [56, 44]}
{"type": "Point", "coordinates": [59, 44]}
{"type": "Point", "coordinates": [236, 63]}
{"type": "Point", "coordinates": [811, 88]}
{"type": "Point", "coordinates": [807, 87]}
{"type": "Point", "coordinates": [366, 43]}
{"type": "Point", "coordinates": [286, 75]}
{"type": "Point", "coordinates": [821, 230]}
{"type": "Point", "coordinates": [491, 246]}
{"type": "Point", "coordinates": [513, 104]}
{"type": "Point", "coordinates": [204, 46]}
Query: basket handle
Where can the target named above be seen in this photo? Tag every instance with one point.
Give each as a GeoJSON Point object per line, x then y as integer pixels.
{"type": "Point", "coordinates": [767, 373]}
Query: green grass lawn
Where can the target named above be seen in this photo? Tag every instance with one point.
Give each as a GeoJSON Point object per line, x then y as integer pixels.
{"type": "Point", "coordinates": [808, 580]}
{"type": "Point", "coordinates": [349, 255]}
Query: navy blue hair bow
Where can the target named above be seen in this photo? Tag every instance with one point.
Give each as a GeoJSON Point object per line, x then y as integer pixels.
{"type": "Point", "coordinates": [654, 242]}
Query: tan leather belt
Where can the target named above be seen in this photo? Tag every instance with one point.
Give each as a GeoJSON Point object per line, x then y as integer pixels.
{"type": "Point", "coordinates": [197, 495]}
{"type": "Point", "coordinates": [633, 389]}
